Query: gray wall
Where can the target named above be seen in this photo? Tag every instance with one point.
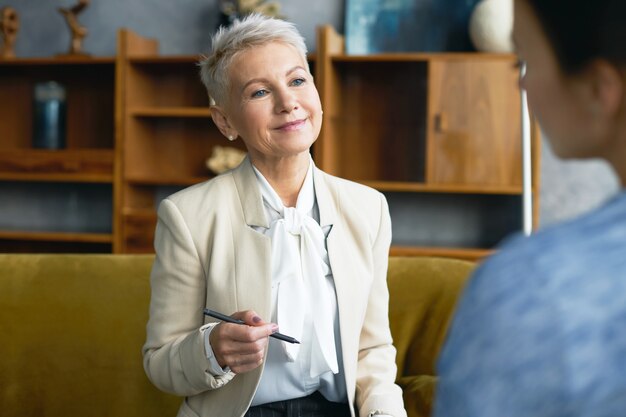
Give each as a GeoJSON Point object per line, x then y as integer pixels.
{"type": "Point", "coordinates": [185, 26]}
{"type": "Point", "coordinates": [181, 26]}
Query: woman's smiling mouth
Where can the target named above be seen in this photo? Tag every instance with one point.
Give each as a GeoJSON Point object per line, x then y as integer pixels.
{"type": "Point", "coordinates": [291, 126]}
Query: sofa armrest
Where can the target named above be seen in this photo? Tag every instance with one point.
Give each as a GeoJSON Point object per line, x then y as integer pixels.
{"type": "Point", "coordinates": [418, 392]}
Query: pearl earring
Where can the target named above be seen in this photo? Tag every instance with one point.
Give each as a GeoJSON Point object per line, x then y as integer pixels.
{"type": "Point", "coordinates": [231, 138]}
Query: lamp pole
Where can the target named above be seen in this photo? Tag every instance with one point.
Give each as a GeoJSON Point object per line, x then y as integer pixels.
{"type": "Point", "coordinates": [527, 189]}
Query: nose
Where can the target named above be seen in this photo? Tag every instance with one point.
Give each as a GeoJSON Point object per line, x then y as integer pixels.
{"type": "Point", "coordinates": [286, 101]}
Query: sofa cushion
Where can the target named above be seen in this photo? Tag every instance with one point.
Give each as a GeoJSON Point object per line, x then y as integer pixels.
{"type": "Point", "coordinates": [72, 328]}
{"type": "Point", "coordinates": [422, 293]}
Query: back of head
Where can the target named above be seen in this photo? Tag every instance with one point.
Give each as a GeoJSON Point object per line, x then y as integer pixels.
{"type": "Point", "coordinates": [581, 31]}
{"type": "Point", "coordinates": [252, 31]}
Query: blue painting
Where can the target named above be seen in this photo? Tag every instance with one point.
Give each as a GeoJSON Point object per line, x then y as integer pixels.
{"type": "Point", "coordinates": [374, 26]}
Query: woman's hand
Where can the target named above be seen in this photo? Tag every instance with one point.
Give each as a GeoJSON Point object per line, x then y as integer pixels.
{"type": "Point", "coordinates": [241, 347]}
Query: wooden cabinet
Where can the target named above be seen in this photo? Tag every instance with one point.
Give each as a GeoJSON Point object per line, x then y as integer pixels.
{"type": "Point", "coordinates": [473, 121]}
{"type": "Point", "coordinates": [438, 133]}
{"type": "Point", "coordinates": [66, 180]}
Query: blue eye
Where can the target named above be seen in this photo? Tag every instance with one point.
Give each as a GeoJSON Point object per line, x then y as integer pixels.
{"type": "Point", "coordinates": [298, 82]}
{"type": "Point", "coordinates": [259, 94]}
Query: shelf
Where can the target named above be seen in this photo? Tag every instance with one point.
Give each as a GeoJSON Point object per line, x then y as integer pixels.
{"type": "Point", "coordinates": [470, 254]}
{"type": "Point", "coordinates": [57, 236]}
{"type": "Point", "coordinates": [79, 60]}
{"type": "Point", "coordinates": [158, 59]}
{"type": "Point", "coordinates": [441, 188]}
{"type": "Point", "coordinates": [165, 180]}
{"type": "Point", "coordinates": [421, 57]}
{"type": "Point", "coordinates": [78, 177]}
{"type": "Point", "coordinates": [139, 214]}
{"type": "Point", "coordinates": [182, 59]}
{"type": "Point", "coordinates": [67, 165]}
{"type": "Point", "coordinates": [201, 112]}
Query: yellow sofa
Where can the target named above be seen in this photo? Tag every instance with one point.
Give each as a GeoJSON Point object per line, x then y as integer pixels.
{"type": "Point", "coordinates": [72, 326]}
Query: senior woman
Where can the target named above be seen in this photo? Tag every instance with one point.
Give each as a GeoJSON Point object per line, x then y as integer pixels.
{"type": "Point", "coordinates": [274, 242]}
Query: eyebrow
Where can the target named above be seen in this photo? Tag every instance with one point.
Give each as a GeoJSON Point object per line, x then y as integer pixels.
{"type": "Point", "coordinates": [256, 80]}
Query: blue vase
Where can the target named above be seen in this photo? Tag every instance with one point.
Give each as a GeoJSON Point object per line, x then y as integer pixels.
{"type": "Point", "coordinates": [49, 111]}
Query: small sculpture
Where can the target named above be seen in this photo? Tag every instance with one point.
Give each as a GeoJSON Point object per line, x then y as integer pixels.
{"type": "Point", "coordinates": [78, 32]}
{"type": "Point", "coordinates": [9, 25]}
{"type": "Point", "coordinates": [235, 9]}
{"type": "Point", "coordinates": [224, 158]}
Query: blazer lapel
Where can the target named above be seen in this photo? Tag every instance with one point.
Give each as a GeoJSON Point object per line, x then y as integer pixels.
{"type": "Point", "coordinates": [249, 194]}
{"type": "Point", "coordinates": [253, 251]}
{"type": "Point", "coordinates": [339, 255]}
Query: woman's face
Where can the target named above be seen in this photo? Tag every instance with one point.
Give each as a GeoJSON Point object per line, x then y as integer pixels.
{"type": "Point", "coordinates": [555, 99]}
{"type": "Point", "coordinates": [273, 103]}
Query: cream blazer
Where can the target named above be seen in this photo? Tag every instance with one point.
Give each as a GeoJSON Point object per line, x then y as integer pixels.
{"type": "Point", "coordinates": [208, 255]}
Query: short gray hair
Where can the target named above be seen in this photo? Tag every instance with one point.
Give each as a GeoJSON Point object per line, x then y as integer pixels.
{"type": "Point", "coordinates": [253, 30]}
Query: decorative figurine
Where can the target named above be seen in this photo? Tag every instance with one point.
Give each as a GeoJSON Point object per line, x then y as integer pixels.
{"type": "Point", "coordinates": [224, 158]}
{"type": "Point", "coordinates": [235, 9]}
{"type": "Point", "coordinates": [78, 32]}
{"type": "Point", "coordinates": [9, 26]}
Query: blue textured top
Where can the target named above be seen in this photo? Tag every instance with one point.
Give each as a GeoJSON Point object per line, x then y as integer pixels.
{"type": "Point", "coordinates": [541, 328]}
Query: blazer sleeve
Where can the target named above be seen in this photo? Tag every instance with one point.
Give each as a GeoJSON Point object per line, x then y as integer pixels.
{"type": "Point", "coordinates": [376, 391]}
{"type": "Point", "coordinates": [173, 356]}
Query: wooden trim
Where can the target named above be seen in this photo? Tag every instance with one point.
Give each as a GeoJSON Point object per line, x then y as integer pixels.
{"type": "Point", "coordinates": [329, 43]}
{"type": "Point", "coordinates": [67, 165]}
{"type": "Point", "coordinates": [139, 213]}
{"type": "Point", "coordinates": [78, 177]}
{"type": "Point", "coordinates": [458, 253]}
{"type": "Point", "coordinates": [171, 112]}
{"type": "Point", "coordinates": [118, 168]}
{"type": "Point", "coordinates": [57, 236]}
{"type": "Point", "coordinates": [160, 59]}
{"type": "Point", "coordinates": [441, 188]}
{"type": "Point", "coordinates": [57, 61]}
{"type": "Point", "coordinates": [130, 46]}
{"type": "Point", "coordinates": [165, 181]}
{"type": "Point", "coordinates": [421, 57]}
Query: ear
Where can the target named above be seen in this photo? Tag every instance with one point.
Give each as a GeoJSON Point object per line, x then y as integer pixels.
{"type": "Point", "coordinates": [605, 88]}
{"type": "Point", "coordinates": [221, 121]}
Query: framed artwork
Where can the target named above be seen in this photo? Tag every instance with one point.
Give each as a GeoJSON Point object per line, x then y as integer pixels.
{"type": "Point", "coordinates": [374, 26]}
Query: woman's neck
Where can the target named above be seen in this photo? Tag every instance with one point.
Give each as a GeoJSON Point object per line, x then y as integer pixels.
{"type": "Point", "coordinates": [285, 175]}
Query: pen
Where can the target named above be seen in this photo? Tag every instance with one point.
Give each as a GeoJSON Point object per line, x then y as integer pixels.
{"type": "Point", "coordinates": [229, 319]}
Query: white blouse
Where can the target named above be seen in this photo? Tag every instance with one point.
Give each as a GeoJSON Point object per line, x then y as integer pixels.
{"type": "Point", "coordinates": [304, 303]}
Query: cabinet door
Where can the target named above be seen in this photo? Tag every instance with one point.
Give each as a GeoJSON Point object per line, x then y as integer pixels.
{"type": "Point", "coordinates": [474, 123]}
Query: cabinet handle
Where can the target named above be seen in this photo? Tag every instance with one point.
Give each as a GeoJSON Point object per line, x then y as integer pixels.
{"type": "Point", "coordinates": [441, 123]}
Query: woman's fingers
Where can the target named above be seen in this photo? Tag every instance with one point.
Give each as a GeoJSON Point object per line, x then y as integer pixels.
{"type": "Point", "coordinates": [250, 317]}
{"type": "Point", "coordinates": [240, 363]}
{"type": "Point", "coordinates": [241, 347]}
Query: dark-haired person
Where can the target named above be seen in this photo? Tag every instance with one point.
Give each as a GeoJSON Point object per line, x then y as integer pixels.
{"type": "Point", "coordinates": [541, 328]}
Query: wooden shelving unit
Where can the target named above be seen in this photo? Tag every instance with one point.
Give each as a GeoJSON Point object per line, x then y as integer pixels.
{"type": "Point", "coordinates": [87, 159]}
{"type": "Point", "coordinates": [165, 135]}
{"type": "Point", "coordinates": [438, 133]}
{"type": "Point", "coordinates": [433, 131]}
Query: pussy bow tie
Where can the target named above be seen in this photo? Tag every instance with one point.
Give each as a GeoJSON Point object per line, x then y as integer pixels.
{"type": "Point", "coordinates": [301, 271]}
